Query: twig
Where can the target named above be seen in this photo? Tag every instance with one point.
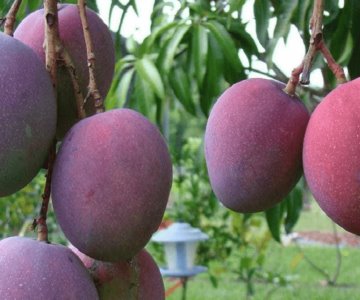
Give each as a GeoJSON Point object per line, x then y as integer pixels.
{"type": "Point", "coordinates": [93, 91]}
{"type": "Point", "coordinates": [337, 70]}
{"type": "Point", "coordinates": [51, 39]}
{"type": "Point", "coordinates": [65, 57]}
{"type": "Point", "coordinates": [294, 80]}
{"type": "Point", "coordinates": [338, 256]}
{"type": "Point", "coordinates": [316, 44]}
{"type": "Point", "coordinates": [316, 38]}
{"type": "Point", "coordinates": [313, 265]}
{"type": "Point", "coordinates": [42, 230]}
{"type": "Point", "coordinates": [11, 18]}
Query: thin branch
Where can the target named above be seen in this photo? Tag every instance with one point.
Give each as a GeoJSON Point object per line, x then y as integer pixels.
{"type": "Point", "coordinates": [42, 230]}
{"type": "Point", "coordinates": [316, 44]}
{"type": "Point", "coordinates": [67, 61]}
{"type": "Point", "coordinates": [51, 38]}
{"type": "Point", "coordinates": [294, 80]}
{"type": "Point", "coordinates": [11, 18]}
{"type": "Point", "coordinates": [280, 77]}
{"type": "Point", "coordinates": [316, 37]}
{"type": "Point", "coordinates": [338, 256]}
{"type": "Point", "coordinates": [337, 70]}
{"type": "Point", "coordinates": [93, 91]}
{"type": "Point", "coordinates": [312, 264]}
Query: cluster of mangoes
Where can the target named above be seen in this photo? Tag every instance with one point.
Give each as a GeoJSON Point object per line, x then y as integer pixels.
{"type": "Point", "coordinates": [111, 178]}
{"type": "Point", "coordinates": [259, 140]}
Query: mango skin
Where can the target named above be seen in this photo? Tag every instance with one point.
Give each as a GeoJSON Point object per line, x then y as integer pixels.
{"type": "Point", "coordinates": [331, 155]}
{"type": "Point", "coordinates": [253, 145]}
{"type": "Point", "coordinates": [37, 270]}
{"type": "Point", "coordinates": [111, 183]}
{"type": "Point", "coordinates": [118, 281]}
{"type": "Point", "coordinates": [31, 32]}
{"type": "Point", "coordinates": [27, 115]}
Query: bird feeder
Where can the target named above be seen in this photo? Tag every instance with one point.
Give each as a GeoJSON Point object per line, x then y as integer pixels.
{"type": "Point", "coordinates": [180, 242]}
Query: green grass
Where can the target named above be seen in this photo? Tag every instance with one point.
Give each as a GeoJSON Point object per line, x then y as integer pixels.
{"type": "Point", "coordinates": [314, 219]}
{"type": "Point", "coordinates": [307, 283]}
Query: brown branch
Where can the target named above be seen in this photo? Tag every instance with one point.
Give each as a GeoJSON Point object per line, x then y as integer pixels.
{"type": "Point", "coordinates": [11, 18]}
{"type": "Point", "coordinates": [337, 70]}
{"type": "Point", "coordinates": [294, 80]}
{"type": "Point", "coordinates": [316, 38]}
{"type": "Point", "coordinates": [67, 61]}
{"type": "Point", "coordinates": [40, 222]}
{"type": "Point", "coordinates": [316, 44]}
{"type": "Point", "coordinates": [51, 38]}
{"type": "Point", "coordinates": [93, 91]}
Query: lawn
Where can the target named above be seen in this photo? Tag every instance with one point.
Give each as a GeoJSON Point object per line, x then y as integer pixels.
{"type": "Point", "coordinates": [306, 282]}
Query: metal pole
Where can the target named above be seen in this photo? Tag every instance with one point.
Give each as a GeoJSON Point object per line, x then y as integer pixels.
{"type": "Point", "coordinates": [184, 284]}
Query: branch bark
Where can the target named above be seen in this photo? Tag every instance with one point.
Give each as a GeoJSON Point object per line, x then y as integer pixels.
{"type": "Point", "coordinates": [51, 38]}
{"type": "Point", "coordinates": [316, 44]}
{"type": "Point", "coordinates": [65, 57]}
{"type": "Point", "coordinates": [11, 18]}
{"type": "Point", "coordinates": [93, 91]}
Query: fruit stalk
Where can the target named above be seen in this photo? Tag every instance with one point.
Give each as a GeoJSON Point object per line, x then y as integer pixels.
{"type": "Point", "coordinates": [316, 44]}
{"type": "Point", "coordinates": [337, 70]}
{"type": "Point", "coordinates": [69, 65]}
{"type": "Point", "coordinates": [93, 90]}
{"type": "Point", "coordinates": [51, 38]}
{"type": "Point", "coordinates": [51, 45]}
{"type": "Point", "coordinates": [316, 23]}
{"type": "Point", "coordinates": [11, 18]}
{"type": "Point", "coordinates": [41, 220]}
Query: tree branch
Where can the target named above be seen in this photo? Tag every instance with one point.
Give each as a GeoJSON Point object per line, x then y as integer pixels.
{"type": "Point", "coordinates": [51, 38]}
{"type": "Point", "coordinates": [11, 18]}
{"type": "Point", "coordinates": [93, 91]}
{"type": "Point", "coordinates": [41, 220]}
{"type": "Point", "coordinates": [316, 44]}
{"type": "Point", "coordinates": [65, 57]}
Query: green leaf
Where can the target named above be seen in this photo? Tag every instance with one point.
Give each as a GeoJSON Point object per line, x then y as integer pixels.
{"type": "Point", "coordinates": [338, 38]}
{"type": "Point", "coordinates": [148, 72]}
{"type": "Point", "coordinates": [118, 98]}
{"type": "Point", "coordinates": [148, 43]}
{"type": "Point", "coordinates": [246, 42]}
{"type": "Point", "coordinates": [181, 87]}
{"type": "Point", "coordinates": [226, 43]}
{"type": "Point", "coordinates": [300, 19]}
{"type": "Point", "coordinates": [354, 63]}
{"type": "Point", "coordinates": [199, 52]}
{"type": "Point", "coordinates": [274, 217]}
{"type": "Point", "coordinates": [124, 88]}
{"type": "Point", "coordinates": [282, 27]}
{"type": "Point", "coordinates": [236, 5]}
{"type": "Point", "coordinates": [168, 51]}
{"type": "Point", "coordinates": [143, 96]}
{"type": "Point", "coordinates": [262, 15]}
{"type": "Point", "coordinates": [293, 205]}
{"type": "Point", "coordinates": [212, 85]}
